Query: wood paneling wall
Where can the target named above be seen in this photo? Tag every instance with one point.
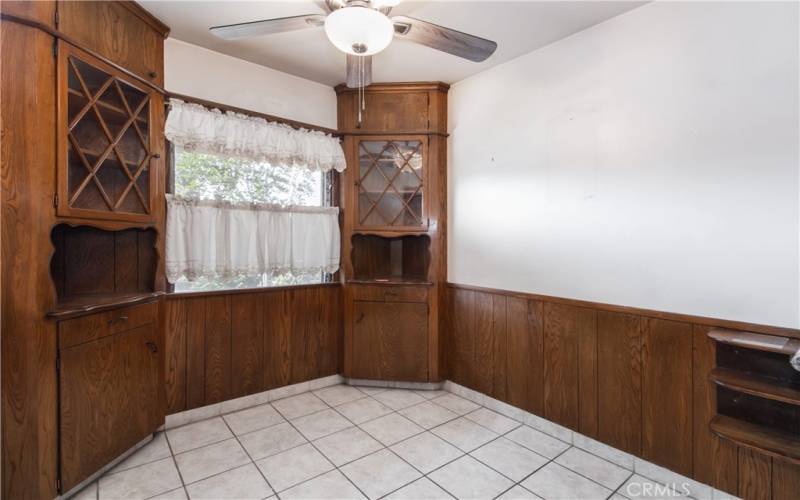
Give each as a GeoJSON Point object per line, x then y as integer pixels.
{"type": "Point", "coordinates": [634, 379]}
{"type": "Point", "coordinates": [227, 345]}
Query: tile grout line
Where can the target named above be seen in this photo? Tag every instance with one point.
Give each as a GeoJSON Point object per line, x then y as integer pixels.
{"type": "Point", "coordinates": [250, 457]}
{"type": "Point", "coordinates": [320, 452]}
{"type": "Point", "coordinates": [174, 462]}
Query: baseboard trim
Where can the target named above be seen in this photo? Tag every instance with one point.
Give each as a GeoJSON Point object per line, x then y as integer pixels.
{"type": "Point", "coordinates": [231, 405]}
{"type": "Point", "coordinates": [414, 386]}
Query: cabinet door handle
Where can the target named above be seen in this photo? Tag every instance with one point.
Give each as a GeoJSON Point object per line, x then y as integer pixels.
{"type": "Point", "coordinates": [115, 320]}
{"type": "Point", "coordinates": [152, 346]}
{"type": "Point", "coordinates": [152, 74]}
{"type": "Point", "coordinates": [360, 318]}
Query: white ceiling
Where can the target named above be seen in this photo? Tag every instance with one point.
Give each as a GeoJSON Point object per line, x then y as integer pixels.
{"type": "Point", "coordinates": [517, 27]}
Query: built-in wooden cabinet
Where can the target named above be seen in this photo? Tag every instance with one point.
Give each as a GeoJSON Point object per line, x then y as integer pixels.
{"type": "Point", "coordinates": [83, 239]}
{"type": "Point", "coordinates": [758, 392]}
{"type": "Point", "coordinates": [110, 387]}
{"type": "Point", "coordinates": [394, 231]}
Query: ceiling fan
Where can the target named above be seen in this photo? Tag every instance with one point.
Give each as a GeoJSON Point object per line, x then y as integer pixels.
{"type": "Point", "coordinates": [361, 29]}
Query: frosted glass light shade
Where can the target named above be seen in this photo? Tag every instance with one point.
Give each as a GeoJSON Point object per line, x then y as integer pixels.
{"type": "Point", "coordinates": [359, 31]}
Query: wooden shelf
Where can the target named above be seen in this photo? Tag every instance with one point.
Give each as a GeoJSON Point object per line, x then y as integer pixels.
{"type": "Point", "coordinates": [390, 281]}
{"type": "Point", "coordinates": [754, 385]}
{"type": "Point", "coordinates": [79, 306]}
{"type": "Point", "coordinates": [749, 340]}
{"type": "Point", "coordinates": [765, 440]}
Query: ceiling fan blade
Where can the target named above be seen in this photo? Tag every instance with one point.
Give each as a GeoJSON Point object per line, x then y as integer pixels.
{"type": "Point", "coordinates": [268, 27]}
{"type": "Point", "coordinates": [448, 40]}
{"type": "Point", "coordinates": [359, 71]}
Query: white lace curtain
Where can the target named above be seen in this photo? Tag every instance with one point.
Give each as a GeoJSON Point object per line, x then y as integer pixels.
{"type": "Point", "coordinates": [199, 129]}
{"type": "Point", "coordinates": [220, 239]}
{"type": "Point", "coordinates": [209, 239]}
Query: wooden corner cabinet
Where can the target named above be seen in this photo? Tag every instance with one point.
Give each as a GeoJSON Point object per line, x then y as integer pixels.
{"type": "Point", "coordinates": [83, 240]}
{"type": "Point", "coordinates": [394, 229]}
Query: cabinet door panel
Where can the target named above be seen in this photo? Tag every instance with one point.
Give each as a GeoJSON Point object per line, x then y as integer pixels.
{"type": "Point", "coordinates": [108, 154]}
{"type": "Point", "coordinates": [390, 341]}
{"type": "Point", "coordinates": [109, 400]}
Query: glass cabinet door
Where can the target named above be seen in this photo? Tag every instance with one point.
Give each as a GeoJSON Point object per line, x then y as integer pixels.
{"type": "Point", "coordinates": [391, 184]}
{"type": "Point", "coordinates": [105, 149]}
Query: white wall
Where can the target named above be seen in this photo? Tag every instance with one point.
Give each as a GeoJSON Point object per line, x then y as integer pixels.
{"type": "Point", "coordinates": [203, 73]}
{"type": "Point", "coordinates": [649, 161]}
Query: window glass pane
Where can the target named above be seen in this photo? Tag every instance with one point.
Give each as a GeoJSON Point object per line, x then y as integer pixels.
{"type": "Point", "coordinates": [206, 176]}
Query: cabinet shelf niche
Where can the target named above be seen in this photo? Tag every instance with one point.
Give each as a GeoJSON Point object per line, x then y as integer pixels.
{"type": "Point", "coordinates": [402, 259]}
{"type": "Point", "coordinates": [94, 268]}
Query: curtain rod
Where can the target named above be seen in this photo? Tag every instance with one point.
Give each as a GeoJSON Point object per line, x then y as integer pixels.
{"type": "Point", "coordinates": [270, 118]}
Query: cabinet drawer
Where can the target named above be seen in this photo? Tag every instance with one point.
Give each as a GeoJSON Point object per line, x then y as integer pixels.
{"type": "Point", "coordinates": [96, 326]}
{"type": "Point", "coordinates": [390, 293]}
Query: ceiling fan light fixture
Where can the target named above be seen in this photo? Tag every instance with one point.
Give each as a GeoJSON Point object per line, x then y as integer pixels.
{"type": "Point", "coordinates": [359, 31]}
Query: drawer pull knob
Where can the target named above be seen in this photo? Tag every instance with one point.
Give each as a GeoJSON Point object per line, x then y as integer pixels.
{"type": "Point", "coordinates": [115, 320]}
{"type": "Point", "coordinates": [152, 346]}
{"type": "Point", "coordinates": [360, 318]}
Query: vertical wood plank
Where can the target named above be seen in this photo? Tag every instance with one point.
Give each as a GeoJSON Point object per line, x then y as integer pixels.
{"type": "Point", "coordinates": [499, 347]}
{"type": "Point", "coordinates": [525, 344]}
{"type": "Point", "coordinates": [483, 372]}
{"type": "Point", "coordinates": [331, 347]}
{"type": "Point", "coordinates": [564, 326]}
{"type": "Point", "coordinates": [490, 357]}
{"type": "Point", "coordinates": [277, 332]}
{"type": "Point", "coordinates": [588, 395]}
{"type": "Point", "coordinates": [463, 337]}
{"type": "Point", "coordinates": [195, 352]}
{"type": "Point", "coordinates": [785, 480]}
{"type": "Point", "coordinates": [755, 475]}
{"type": "Point", "coordinates": [620, 380]}
{"type": "Point", "coordinates": [303, 340]}
{"type": "Point", "coordinates": [247, 344]}
{"type": "Point", "coordinates": [175, 354]}
{"type": "Point", "coordinates": [218, 349]}
{"type": "Point", "coordinates": [667, 394]}
{"type": "Point", "coordinates": [715, 460]}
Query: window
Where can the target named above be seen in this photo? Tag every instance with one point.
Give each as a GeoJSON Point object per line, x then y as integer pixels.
{"type": "Point", "coordinates": [215, 177]}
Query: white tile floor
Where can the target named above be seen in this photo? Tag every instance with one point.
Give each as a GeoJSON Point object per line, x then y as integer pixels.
{"type": "Point", "coordinates": [342, 442]}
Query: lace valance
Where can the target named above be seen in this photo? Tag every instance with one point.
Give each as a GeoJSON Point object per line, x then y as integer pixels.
{"type": "Point", "coordinates": [199, 129]}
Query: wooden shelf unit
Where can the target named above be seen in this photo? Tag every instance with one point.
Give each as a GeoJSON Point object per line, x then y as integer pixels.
{"type": "Point", "coordinates": [758, 392]}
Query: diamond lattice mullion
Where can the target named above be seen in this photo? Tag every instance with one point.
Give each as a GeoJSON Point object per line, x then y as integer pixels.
{"type": "Point", "coordinates": [85, 89]}
{"type": "Point", "coordinates": [373, 159]}
{"type": "Point", "coordinates": [374, 166]}
{"type": "Point", "coordinates": [90, 176]}
{"type": "Point", "coordinates": [406, 207]}
{"type": "Point", "coordinates": [114, 141]}
{"type": "Point", "coordinates": [132, 185]}
{"type": "Point", "coordinates": [130, 113]}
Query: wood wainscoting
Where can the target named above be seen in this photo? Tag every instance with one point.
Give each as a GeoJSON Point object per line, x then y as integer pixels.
{"type": "Point", "coordinates": [224, 345]}
{"type": "Point", "coordinates": [631, 378]}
